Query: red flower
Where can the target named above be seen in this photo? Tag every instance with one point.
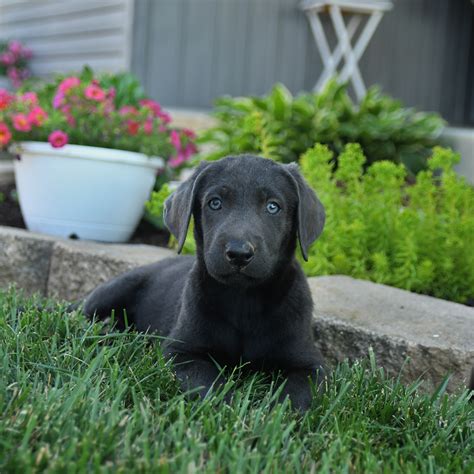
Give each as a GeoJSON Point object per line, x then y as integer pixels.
{"type": "Point", "coordinates": [5, 99]}
{"type": "Point", "coordinates": [189, 133]}
{"type": "Point", "coordinates": [21, 123]}
{"type": "Point", "coordinates": [132, 127]}
{"type": "Point", "coordinates": [37, 116]}
{"type": "Point", "coordinates": [5, 134]}
{"type": "Point", "coordinates": [58, 139]}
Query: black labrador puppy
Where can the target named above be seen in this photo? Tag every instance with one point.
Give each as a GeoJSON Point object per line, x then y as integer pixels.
{"type": "Point", "coordinates": [243, 298]}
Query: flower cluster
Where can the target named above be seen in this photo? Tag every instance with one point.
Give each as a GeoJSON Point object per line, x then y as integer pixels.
{"type": "Point", "coordinates": [14, 59]}
{"type": "Point", "coordinates": [86, 111]}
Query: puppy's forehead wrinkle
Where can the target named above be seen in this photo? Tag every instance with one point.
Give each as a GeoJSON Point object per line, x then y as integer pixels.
{"type": "Point", "coordinates": [248, 175]}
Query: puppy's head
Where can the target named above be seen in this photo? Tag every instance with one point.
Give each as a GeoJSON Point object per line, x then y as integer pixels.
{"type": "Point", "coordinates": [248, 213]}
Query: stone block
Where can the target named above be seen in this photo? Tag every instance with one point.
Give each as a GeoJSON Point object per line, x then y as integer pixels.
{"type": "Point", "coordinates": [436, 336]}
{"type": "Point", "coordinates": [77, 267]}
{"type": "Point", "coordinates": [24, 260]}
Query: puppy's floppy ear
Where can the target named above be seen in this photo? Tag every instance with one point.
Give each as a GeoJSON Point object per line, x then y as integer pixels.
{"type": "Point", "coordinates": [311, 215]}
{"type": "Point", "coordinates": [179, 206]}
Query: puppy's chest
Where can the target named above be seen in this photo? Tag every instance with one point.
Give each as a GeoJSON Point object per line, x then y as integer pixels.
{"type": "Point", "coordinates": [250, 331]}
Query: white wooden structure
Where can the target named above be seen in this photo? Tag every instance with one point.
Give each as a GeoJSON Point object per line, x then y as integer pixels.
{"type": "Point", "coordinates": [356, 9]}
{"type": "Point", "coordinates": [66, 34]}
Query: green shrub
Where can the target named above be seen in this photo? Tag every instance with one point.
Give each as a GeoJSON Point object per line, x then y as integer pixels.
{"type": "Point", "coordinates": [418, 237]}
{"type": "Point", "coordinates": [282, 127]}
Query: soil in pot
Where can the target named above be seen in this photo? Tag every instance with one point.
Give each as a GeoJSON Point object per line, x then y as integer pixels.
{"type": "Point", "coordinates": [10, 215]}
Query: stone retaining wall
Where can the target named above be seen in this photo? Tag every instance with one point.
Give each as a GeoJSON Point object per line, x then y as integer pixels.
{"type": "Point", "coordinates": [413, 335]}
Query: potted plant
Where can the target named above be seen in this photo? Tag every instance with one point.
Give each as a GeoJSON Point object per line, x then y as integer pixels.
{"type": "Point", "coordinates": [88, 153]}
{"type": "Point", "coordinates": [14, 58]}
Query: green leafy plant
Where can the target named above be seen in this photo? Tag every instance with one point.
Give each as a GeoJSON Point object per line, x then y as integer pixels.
{"type": "Point", "coordinates": [282, 127]}
{"type": "Point", "coordinates": [155, 207]}
{"type": "Point", "coordinates": [412, 236]}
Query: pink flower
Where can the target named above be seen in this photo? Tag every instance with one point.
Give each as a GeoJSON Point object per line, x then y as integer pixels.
{"type": "Point", "coordinates": [15, 47]}
{"type": "Point", "coordinates": [128, 110]}
{"type": "Point", "coordinates": [132, 127]}
{"type": "Point", "coordinates": [21, 123]}
{"type": "Point", "coordinates": [175, 139]}
{"type": "Point", "coordinates": [5, 99]}
{"type": "Point", "coordinates": [29, 98]}
{"type": "Point", "coordinates": [5, 134]}
{"type": "Point", "coordinates": [109, 107]}
{"type": "Point", "coordinates": [183, 155]}
{"type": "Point", "coordinates": [58, 139]}
{"type": "Point", "coordinates": [94, 92]}
{"type": "Point", "coordinates": [164, 116]}
{"type": "Point", "coordinates": [68, 83]}
{"type": "Point", "coordinates": [66, 110]}
{"type": "Point", "coordinates": [177, 160]}
{"type": "Point", "coordinates": [190, 150]}
{"type": "Point", "coordinates": [37, 116]}
{"type": "Point", "coordinates": [148, 127]}
{"type": "Point", "coordinates": [155, 107]}
{"type": "Point", "coordinates": [13, 73]}
{"type": "Point", "coordinates": [7, 59]}
{"type": "Point", "coordinates": [111, 93]}
{"type": "Point", "coordinates": [58, 100]}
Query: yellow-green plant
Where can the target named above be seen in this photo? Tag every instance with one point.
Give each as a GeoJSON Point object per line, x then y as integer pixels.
{"type": "Point", "coordinates": [419, 236]}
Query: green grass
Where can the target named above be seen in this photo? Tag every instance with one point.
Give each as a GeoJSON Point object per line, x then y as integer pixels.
{"type": "Point", "coordinates": [73, 400]}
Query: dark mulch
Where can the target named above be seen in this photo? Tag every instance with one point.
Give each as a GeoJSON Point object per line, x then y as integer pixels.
{"type": "Point", "coordinates": [10, 215]}
{"type": "Point", "coordinates": [147, 233]}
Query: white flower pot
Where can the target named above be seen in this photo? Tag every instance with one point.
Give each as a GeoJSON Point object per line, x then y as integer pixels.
{"type": "Point", "coordinates": [81, 191]}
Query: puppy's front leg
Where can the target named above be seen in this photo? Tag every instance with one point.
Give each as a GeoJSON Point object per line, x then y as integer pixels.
{"type": "Point", "coordinates": [298, 386]}
{"type": "Point", "coordinates": [195, 371]}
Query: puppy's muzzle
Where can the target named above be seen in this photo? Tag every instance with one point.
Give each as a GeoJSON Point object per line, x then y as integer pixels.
{"type": "Point", "coordinates": [238, 253]}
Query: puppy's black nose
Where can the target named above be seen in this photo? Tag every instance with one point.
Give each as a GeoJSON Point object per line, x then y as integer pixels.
{"type": "Point", "coordinates": [239, 253]}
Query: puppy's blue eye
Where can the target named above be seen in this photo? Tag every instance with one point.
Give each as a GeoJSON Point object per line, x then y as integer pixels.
{"type": "Point", "coordinates": [215, 204]}
{"type": "Point", "coordinates": [273, 207]}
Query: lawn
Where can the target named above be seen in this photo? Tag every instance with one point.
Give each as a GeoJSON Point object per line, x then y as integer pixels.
{"type": "Point", "coordinates": [74, 400]}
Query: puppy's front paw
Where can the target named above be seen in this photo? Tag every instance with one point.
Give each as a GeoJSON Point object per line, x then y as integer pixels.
{"type": "Point", "coordinates": [299, 401]}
